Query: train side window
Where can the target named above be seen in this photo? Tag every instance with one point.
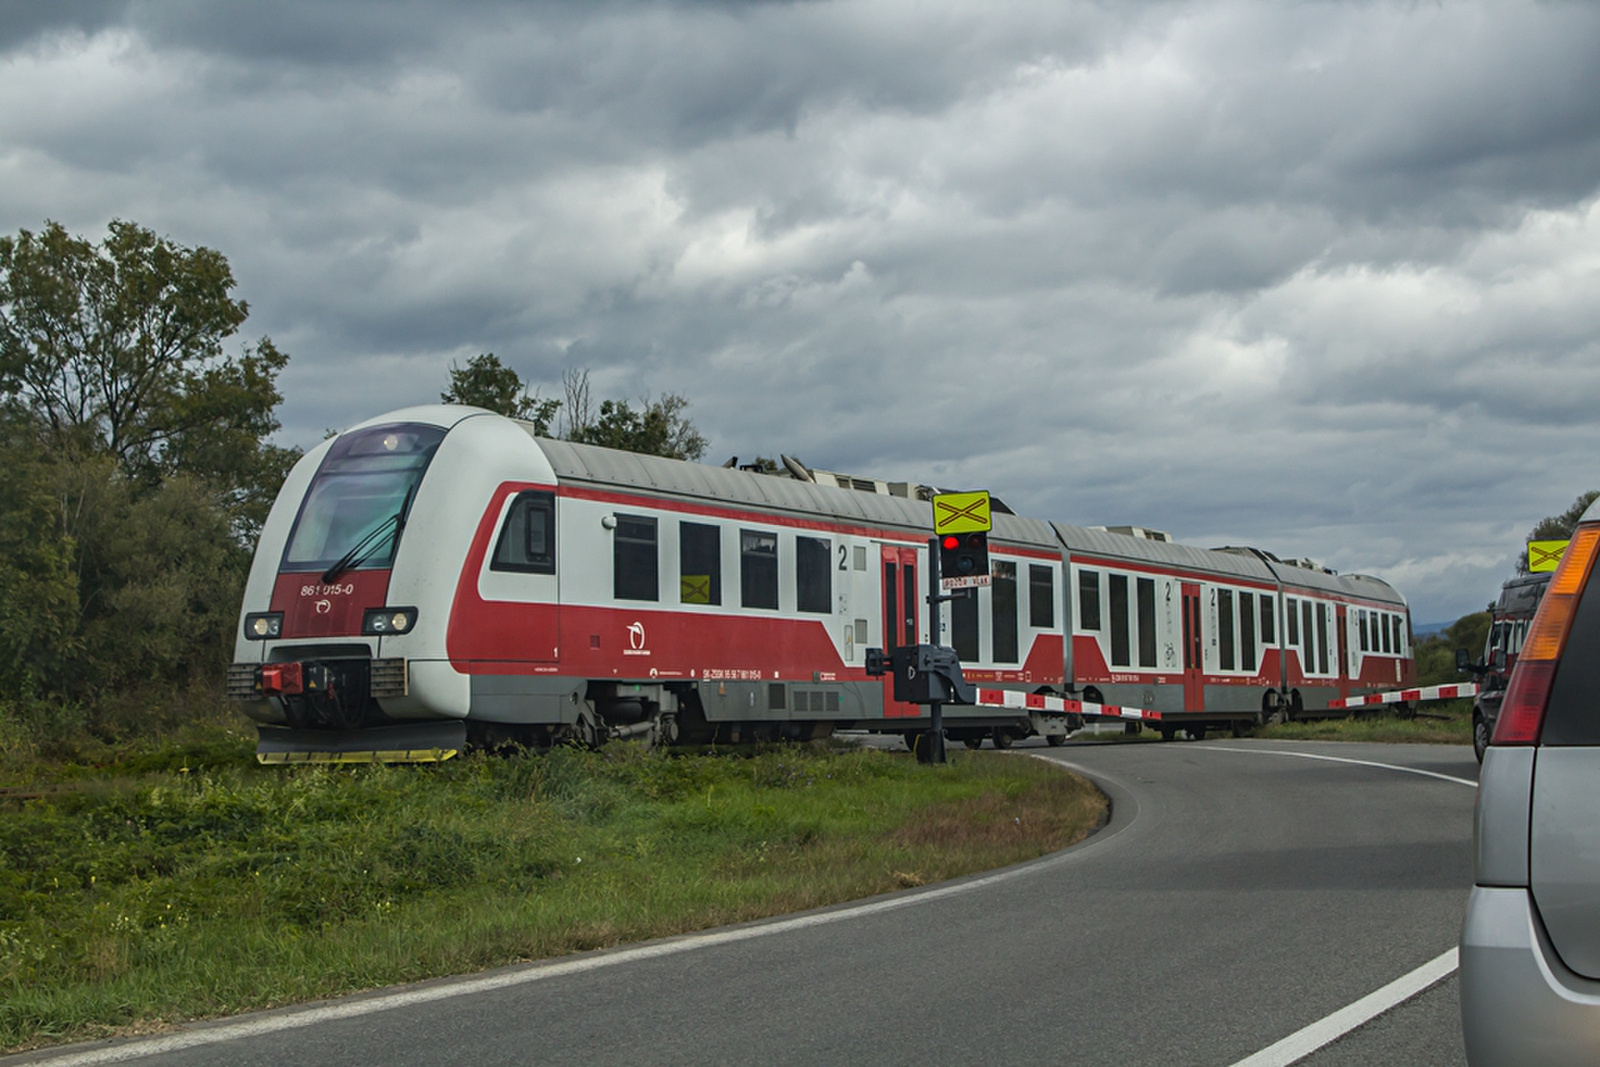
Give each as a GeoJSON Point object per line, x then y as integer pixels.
{"type": "Point", "coordinates": [1291, 618]}
{"type": "Point", "coordinates": [1225, 628]}
{"type": "Point", "coordinates": [1041, 597]}
{"type": "Point", "coordinates": [1088, 600]}
{"type": "Point", "coordinates": [1146, 591]}
{"type": "Point", "coordinates": [635, 572]}
{"type": "Point", "coordinates": [1388, 631]}
{"type": "Point", "coordinates": [1119, 620]}
{"type": "Point", "coordinates": [1361, 625]}
{"type": "Point", "coordinates": [964, 625]}
{"type": "Point", "coordinates": [1003, 611]}
{"type": "Point", "coordinates": [758, 569]}
{"type": "Point", "coordinates": [813, 574]}
{"type": "Point", "coordinates": [1399, 637]}
{"type": "Point", "coordinates": [699, 563]}
{"type": "Point", "coordinates": [1247, 632]}
{"type": "Point", "coordinates": [527, 540]}
{"type": "Point", "coordinates": [1269, 608]}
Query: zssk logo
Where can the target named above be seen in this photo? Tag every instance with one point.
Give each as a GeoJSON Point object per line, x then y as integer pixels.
{"type": "Point", "coordinates": [324, 606]}
{"type": "Point", "coordinates": [636, 636]}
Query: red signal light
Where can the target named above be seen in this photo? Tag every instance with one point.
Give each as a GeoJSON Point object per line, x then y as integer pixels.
{"type": "Point", "coordinates": [952, 542]}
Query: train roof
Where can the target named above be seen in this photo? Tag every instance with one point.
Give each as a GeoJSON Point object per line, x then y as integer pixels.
{"type": "Point", "coordinates": [1164, 553]}
{"type": "Point", "coordinates": [657, 475]}
{"type": "Point", "coordinates": [1239, 563]}
{"type": "Point", "coordinates": [595, 465]}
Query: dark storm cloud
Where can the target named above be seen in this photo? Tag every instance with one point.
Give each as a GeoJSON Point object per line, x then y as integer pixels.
{"type": "Point", "coordinates": [1316, 277]}
{"type": "Point", "coordinates": [24, 22]}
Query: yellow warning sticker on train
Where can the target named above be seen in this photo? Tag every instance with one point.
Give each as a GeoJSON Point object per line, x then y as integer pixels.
{"type": "Point", "coordinates": [1545, 555]}
{"type": "Point", "coordinates": [955, 513]}
{"type": "Point", "coordinates": [694, 588]}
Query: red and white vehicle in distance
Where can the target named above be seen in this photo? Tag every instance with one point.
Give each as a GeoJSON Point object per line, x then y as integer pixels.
{"type": "Point", "coordinates": [439, 574]}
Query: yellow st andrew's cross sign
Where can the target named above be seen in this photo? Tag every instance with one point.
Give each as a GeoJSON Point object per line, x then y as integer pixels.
{"type": "Point", "coordinates": [958, 513]}
{"type": "Point", "coordinates": [1544, 555]}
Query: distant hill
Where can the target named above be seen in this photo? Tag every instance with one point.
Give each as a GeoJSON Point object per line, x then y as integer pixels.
{"type": "Point", "coordinates": [1419, 630]}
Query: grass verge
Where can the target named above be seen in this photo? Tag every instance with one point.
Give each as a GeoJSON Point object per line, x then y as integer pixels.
{"type": "Point", "coordinates": [1446, 722]}
{"type": "Point", "coordinates": [182, 881]}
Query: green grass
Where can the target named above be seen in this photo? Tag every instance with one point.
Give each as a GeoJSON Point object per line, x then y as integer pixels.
{"type": "Point", "coordinates": [1444, 722]}
{"type": "Point", "coordinates": [180, 880]}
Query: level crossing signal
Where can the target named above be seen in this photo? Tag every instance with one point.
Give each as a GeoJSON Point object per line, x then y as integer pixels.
{"type": "Point", "coordinates": [961, 522]}
{"type": "Point", "coordinates": [964, 560]}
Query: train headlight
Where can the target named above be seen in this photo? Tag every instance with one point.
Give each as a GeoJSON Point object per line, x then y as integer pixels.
{"type": "Point", "coordinates": [382, 621]}
{"type": "Point", "coordinates": [263, 625]}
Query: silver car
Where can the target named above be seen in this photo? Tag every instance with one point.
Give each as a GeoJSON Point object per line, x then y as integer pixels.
{"type": "Point", "coordinates": [1530, 947]}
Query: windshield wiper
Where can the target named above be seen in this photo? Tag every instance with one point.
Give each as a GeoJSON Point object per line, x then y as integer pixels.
{"type": "Point", "coordinates": [364, 548]}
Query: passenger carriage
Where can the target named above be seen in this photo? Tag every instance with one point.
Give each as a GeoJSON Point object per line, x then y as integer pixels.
{"type": "Point", "coordinates": [440, 573]}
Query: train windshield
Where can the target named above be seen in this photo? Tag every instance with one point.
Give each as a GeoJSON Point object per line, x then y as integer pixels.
{"type": "Point", "coordinates": [355, 508]}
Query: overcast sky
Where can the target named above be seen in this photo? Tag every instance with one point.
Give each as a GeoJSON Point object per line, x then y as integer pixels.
{"type": "Point", "coordinates": [1316, 277]}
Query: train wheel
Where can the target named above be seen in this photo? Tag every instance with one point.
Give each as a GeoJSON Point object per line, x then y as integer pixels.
{"type": "Point", "coordinates": [1273, 708]}
{"type": "Point", "coordinates": [1197, 733]}
{"type": "Point", "coordinates": [1002, 737]}
{"type": "Point", "coordinates": [973, 743]}
{"type": "Point", "coordinates": [1055, 740]}
{"type": "Point", "coordinates": [1168, 733]}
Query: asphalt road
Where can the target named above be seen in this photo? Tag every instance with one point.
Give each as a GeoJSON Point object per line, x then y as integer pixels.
{"type": "Point", "coordinates": [1239, 894]}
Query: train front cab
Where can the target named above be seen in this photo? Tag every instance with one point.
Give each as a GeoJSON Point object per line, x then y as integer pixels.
{"type": "Point", "coordinates": [341, 652]}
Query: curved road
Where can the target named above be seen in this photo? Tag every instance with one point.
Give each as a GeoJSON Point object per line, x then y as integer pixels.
{"type": "Point", "coordinates": [1240, 893]}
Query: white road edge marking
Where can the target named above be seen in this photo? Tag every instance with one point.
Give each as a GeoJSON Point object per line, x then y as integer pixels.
{"type": "Point", "coordinates": [1468, 782]}
{"type": "Point", "coordinates": [1305, 1041]}
{"type": "Point", "coordinates": [1308, 1039]}
{"type": "Point", "coordinates": [292, 1019]}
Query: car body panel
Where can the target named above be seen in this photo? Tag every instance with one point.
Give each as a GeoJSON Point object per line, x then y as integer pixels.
{"type": "Point", "coordinates": [1500, 833]}
{"type": "Point", "coordinates": [1519, 1003]}
{"type": "Point", "coordinates": [1564, 852]}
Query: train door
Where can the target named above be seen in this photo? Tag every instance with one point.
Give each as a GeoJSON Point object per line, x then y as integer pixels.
{"type": "Point", "coordinates": [1194, 694]}
{"type": "Point", "coordinates": [1341, 630]}
{"type": "Point", "coordinates": [899, 618]}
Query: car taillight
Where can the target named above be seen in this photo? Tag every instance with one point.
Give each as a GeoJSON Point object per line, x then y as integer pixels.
{"type": "Point", "coordinates": [1528, 694]}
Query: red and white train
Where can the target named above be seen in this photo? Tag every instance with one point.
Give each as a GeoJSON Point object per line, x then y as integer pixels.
{"type": "Point", "coordinates": [440, 574]}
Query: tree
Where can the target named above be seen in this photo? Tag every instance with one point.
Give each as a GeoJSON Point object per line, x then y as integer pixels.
{"type": "Point", "coordinates": [657, 427]}
{"type": "Point", "coordinates": [117, 348]}
{"type": "Point", "coordinates": [487, 383]}
{"type": "Point", "coordinates": [1557, 527]}
{"type": "Point", "coordinates": [1436, 654]}
{"type": "Point", "coordinates": [38, 582]}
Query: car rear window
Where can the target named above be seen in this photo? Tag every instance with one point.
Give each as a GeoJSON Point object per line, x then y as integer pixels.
{"type": "Point", "coordinates": [1573, 717]}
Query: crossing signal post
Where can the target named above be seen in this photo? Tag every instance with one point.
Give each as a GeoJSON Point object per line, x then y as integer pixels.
{"type": "Point", "coordinates": [931, 674]}
{"type": "Point", "coordinates": [958, 558]}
